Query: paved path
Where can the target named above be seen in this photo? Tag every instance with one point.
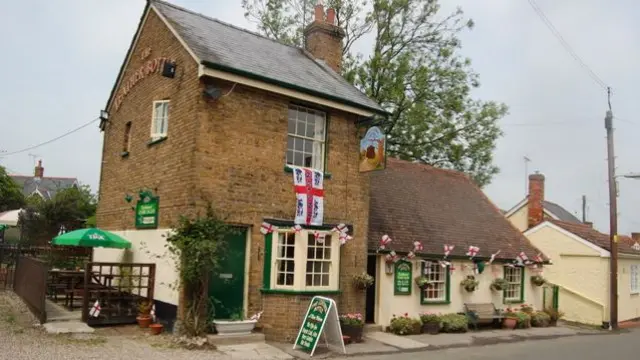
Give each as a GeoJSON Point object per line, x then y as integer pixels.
{"type": "Point", "coordinates": [622, 346]}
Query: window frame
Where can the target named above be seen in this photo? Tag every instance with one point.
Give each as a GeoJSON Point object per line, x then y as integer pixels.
{"type": "Point", "coordinates": [520, 298]}
{"type": "Point", "coordinates": [634, 290]}
{"type": "Point", "coordinates": [159, 135]}
{"type": "Point", "coordinates": [300, 263]}
{"type": "Point", "coordinates": [126, 146]}
{"type": "Point", "coordinates": [324, 142]}
{"type": "Point", "coordinates": [447, 286]}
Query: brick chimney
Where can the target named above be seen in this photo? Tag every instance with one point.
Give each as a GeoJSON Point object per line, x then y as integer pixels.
{"type": "Point", "coordinates": [323, 39]}
{"type": "Point", "coordinates": [39, 170]}
{"type": "Point", "coordinates": [536, 197]}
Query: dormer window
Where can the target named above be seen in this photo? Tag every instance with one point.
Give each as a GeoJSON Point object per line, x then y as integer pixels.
{"type": "Point", "coordinates": [307, 136]}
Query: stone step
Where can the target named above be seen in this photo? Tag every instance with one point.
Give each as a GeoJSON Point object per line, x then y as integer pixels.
{"type": "Point", "coordinates": [220, 340]}
{"type": "Point", "coordinates": [372, 327]}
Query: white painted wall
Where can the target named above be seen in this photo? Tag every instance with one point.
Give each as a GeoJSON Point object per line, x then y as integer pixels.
{"type": "Point", "coordinates": [389, 304]}
{"type": "Point", "coordinates": [147, 246]}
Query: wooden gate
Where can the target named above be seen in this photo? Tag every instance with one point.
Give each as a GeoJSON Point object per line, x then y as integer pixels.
{"type": "Point", "coordinates": [30, 284]}
{"type": "Point", "coordinates": [117, 289]}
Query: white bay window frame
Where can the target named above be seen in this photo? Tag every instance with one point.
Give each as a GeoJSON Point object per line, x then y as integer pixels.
{"type": "Point", "coordinates": [301, 259]}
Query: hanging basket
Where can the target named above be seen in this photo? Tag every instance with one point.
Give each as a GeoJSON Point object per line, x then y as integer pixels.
{"type": "Point", "coordinates": [538, 280]}
{"type": "Point", "coordinates": [498, 284]}
{"type": "Point", "coordinates": [470, 283]}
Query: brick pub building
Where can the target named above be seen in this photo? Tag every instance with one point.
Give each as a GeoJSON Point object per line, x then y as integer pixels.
{"type": "Point", "coordinates": [205, 111]}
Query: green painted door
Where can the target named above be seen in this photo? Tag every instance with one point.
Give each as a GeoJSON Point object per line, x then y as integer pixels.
{"type": "Point", "coordinates": [226, 287]}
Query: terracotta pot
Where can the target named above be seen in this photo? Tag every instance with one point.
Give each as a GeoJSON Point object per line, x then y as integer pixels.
{"type": "Point", "coordinates": [144, 321]}
{"type": "Point", "coordinates": [156, 329]}
{"type": "Point", "coordinates": [510, 323]}
{"type": "Point", "coordinates": [353, 332]}
{"type": "Point", "coordinates": [431, 328]}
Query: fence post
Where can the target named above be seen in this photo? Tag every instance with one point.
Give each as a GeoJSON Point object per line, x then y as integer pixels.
{"type": "Point", "coordinates": [85, 298]}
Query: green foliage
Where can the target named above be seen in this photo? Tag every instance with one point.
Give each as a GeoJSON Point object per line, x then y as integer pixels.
{"type": "Point", "coordinates": [69, 208]}
{"type": "Point", "coordinates": [554, 314]}
{"type": "Point", "coordinates": [538, 280]}
{"type": "Point", "coordinates": [414, 71]}
{"type": "Point", "coordinates": [523, 320]}
{"type": "Point", "coordinates": [540, 319]}
{"type": "Point", "coordinates": [11, 197]}
{"type": "Point", "coordinates": [430, 318]}
{"type": "Point", "coordinates": [352, 319]}
{"type": "Point", "coordinates": [197, 246]}
{"type": "Point", "coordinates": [404, 325]}
{"type": "Point", "coordinates": [499, 284]}
{"type": "Point", "coordinates": [470, 283]}
{"type": "Point", "coordinates": [454, 323]}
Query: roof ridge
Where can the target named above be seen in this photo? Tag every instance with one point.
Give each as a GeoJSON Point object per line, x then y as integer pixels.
{"type": "Point", "coordinates": [177, 7]}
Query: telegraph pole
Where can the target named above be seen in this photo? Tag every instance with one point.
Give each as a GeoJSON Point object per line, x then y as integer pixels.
{"type": "Point", "coordinates": [613, 219]}
{"type": "Point", "coordinates": [584, 209]}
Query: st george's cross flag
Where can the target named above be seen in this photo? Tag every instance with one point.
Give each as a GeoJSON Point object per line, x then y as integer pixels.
{"type": "Point", "coordinates": [95, 309]}
{"type": "Point", "coordinates": [309, 196]}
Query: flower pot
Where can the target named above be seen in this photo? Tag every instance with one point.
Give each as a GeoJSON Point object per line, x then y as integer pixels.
{"type": "Point", "coordinates": [242, 327]}
{"type": "Point", "coordinates": [144, 321]}
{"type": "Point", "coordinates": [470, 288]}
{"type": "Point", "coordinates": [155, 329]}
{"type": "Point", "coordinates": [354, 332]}
{"type": "Point", "coordinates": [431, 328]}
{"type": "Point", "coordinates": [510, 323]}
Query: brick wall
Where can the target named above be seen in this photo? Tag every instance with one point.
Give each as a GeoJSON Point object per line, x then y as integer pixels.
{"type": "Point", "coordinates": [231, 152]}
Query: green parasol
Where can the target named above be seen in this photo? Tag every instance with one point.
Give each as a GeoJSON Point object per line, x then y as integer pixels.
{"type": "Point", "coordinates": [3, 226]}
{"type": "Point", "coordinates": [91, 237]}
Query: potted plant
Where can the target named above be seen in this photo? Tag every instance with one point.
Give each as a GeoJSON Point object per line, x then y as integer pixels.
{"type": "Point", "coordinates": [363, 281]}
{"type": "Point", "coordinates": [156, 328]}
{"type": "Point", "coordinates": [527, 309]}
{"type": "Point", "coordinates": [422, 281]}
{"type": "Point", "coordinates": [144, 313]}
{"type": "Point", "coordinates": [430, 323]}
{"type": "Point", "coordinates": [540, 319]}
{"type": "Point", "coordinates": [236, 325]}
{"type": "Point", "coordinates": [404, 325]}
{"type": "Point", "coordinates": [470, 283]}
{"type": "Point", "coordinates": [510, 319]}
{"type": "Point", "coordinates": [554, 316]}
{"type": "Point", "coordinates": [538, 280]}
{"type": "Point", "coordinates": [523, 320]}
{"type": "Point", "coordinates": [499, 284]}
{"type": "Point", "coordinates": [352, 325]}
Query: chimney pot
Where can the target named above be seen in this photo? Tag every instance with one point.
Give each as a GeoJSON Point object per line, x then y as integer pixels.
{"type": "Point", "coordinates": [331, 16]}
{"type": "Point", "coordinates": [319, 12]}
{"type": "Point", "coordinates": [536, 197]}
{"type": "Point", "coordinates": [589, 224]}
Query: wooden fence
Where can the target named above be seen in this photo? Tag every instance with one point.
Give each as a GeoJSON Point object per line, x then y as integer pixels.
{"type": "Point", "coordinates": [30, 283]}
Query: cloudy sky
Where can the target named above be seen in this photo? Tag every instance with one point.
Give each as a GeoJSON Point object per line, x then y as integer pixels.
{"type": "Point", "coordinates": [60, 60]}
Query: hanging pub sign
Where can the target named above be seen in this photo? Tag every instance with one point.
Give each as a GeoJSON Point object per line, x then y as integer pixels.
{"type": "Point", "coordinates": [373, 150]}
{"type": "Point", "coordinates": [402, 278]}
{"type": "Point", "coordinates": [147, 211]}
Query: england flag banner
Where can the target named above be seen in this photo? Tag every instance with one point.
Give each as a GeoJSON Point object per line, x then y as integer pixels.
{"type": "Point", "coordinates": [309, 196]}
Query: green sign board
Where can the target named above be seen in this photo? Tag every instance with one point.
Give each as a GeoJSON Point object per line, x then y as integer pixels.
{"type": "Point", "coordinates": [402, 278]}
{"type": "Point", "coordinates": [322, 316]}
{"type": "Point", "coordinates": [147, 212]}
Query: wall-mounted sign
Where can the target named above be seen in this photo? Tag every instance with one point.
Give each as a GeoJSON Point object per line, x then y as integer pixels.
{"type": "Point", "coordinates": [373, 150]}
{"type": "Point", "coordinates": [147, 212]}
{"type": "Point", "coordinates": [402, 278]}
{"type": "Point", "coordinates": [150, 67]}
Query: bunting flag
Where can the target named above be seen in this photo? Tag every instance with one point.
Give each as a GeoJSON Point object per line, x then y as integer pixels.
{"type": "Point", "coordinates": [341, 228]}
{"type": "Point", "coordinates": [384, 242]}
{"type": "Point", "coordinates": [444, 263]}
{"type": "Point", "coordinates": [344, 238]}
{"type": "Point", "coordinates": [447, 250]}
{"type": "Point", "coordinates": [153, 312]}
{"type": "Point", "coordinates": [391, 257]}
{"type": "Point", "coordinates": [267, 228]}
{"type": "Point", "coordinates": [411, 255]}
{"type": "Point", "coordinates": [478, 267]}
{"type": "Point", "coordinates": [297, 228]}
{"type": "Point", "coordinates": [522, 256]}
{"type": "Point", "coordinates": [319, 237]}
{"type": "Point", "coordinates": [417, 246]}
{"type": "Point", "coordinates": [538, 258]}
{"type": "Point", "coordinates": [473, 251]}
{"type": "Point", "coordinates": [95, 309]}
{"type": "Point", "coordinates": [493, 257]}
{"type": "Point", "coordinates": [309, 196]}
{"type": "Point", "coordinates": [451, 268]}
{"type": "Point", "coordinates": [256, 316]}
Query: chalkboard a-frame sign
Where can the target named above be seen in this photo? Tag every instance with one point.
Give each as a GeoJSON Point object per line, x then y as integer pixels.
{"type": "Point", "coordinates": [402, 278]}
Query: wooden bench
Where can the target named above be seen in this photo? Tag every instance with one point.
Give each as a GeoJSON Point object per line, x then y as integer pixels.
{"type": "Point", "coordinates": [483, 313]}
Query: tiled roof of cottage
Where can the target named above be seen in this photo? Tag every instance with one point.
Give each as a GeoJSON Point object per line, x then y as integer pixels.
{"type": "Point", "coordinates": [562, 213]}
{"type": "Point", "coordinates": [415, 202]}
{"type": "Point", "coordinates": [597, 238]}
{"type": "Point", "coordinates": [228, 47]}
{"type": "Point", "coordinates": [47, 186]}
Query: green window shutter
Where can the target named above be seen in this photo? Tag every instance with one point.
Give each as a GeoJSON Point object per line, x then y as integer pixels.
{"type": "Point", "coordinates": [448, 284]}
{"type": "Point", "coordinates": [266, 273]}
{"type": "Point", "coordinates": [522, 284]}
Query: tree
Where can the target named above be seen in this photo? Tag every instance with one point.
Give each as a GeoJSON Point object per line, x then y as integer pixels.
{"type": "Point", "coordinates": [414, 71]}
{"type": "Point", "coordinates": [11, 197]}
{"type": "Point", "coordinates": [70, 209]}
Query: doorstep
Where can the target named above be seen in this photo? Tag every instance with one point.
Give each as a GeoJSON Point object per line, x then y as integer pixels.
{"type": "Point", "coordinates": [222, 340]}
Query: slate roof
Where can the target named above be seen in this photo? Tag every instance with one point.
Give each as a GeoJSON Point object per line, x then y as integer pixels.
{"type": "Point", "coordinates": [47, 186]}
{"type": "Point", "coordinates": [597, 238]}
{"type": "Point", "coordinates": [415, 202]}
{"type": "Point", "coordinates": [229, 48]}
{"type": "Point", "coordinates": [560, 212]}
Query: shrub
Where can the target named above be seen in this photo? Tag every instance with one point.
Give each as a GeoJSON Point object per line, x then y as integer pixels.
{"type": "Point", "coordinates": [525, 308]}
{"type": "Point", "coordinates": [540, 319]}
{"type": "Point", "coordinates": [404, 325]}
{"type": "Point", "coordinates": [523, 320]}
{"type": "Point", "coordinates": [352, 319]}
{"type": "Point", "coordinates": [430, 318]}
{"type": "Point", "coordinates": [554, 314]}
{"type": "Point", "coordinates": [454, 323]}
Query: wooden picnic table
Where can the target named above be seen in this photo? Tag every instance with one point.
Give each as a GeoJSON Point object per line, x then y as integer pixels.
{"type": "Point", "coordinates": [72, 282]}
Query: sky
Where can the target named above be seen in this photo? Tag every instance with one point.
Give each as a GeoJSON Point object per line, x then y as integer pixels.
{"type": "Point", "coordinates": [61, 58]}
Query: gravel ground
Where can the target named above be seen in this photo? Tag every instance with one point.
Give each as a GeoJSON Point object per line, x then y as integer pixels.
{"type": "Point", "coordinates": [20, 339]}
